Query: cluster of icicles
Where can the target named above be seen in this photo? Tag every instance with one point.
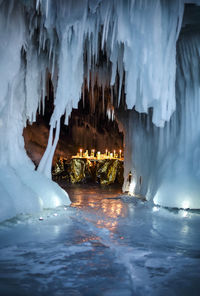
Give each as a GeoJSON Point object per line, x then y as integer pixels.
{"type": "Point", "coordinates": [64, 38]}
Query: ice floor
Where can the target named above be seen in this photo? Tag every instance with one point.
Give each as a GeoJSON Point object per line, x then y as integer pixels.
{"type": "Point", "coordinates": [101, 245]}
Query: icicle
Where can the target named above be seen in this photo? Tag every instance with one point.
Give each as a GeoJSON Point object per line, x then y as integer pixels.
{"type": "Point", "coordinates": [43, 79]}
{"type": "Point", "coordinates": [47, 169]}
{"type": "Point", "coordinates": [37, 4]}
{"type": "Point", "coordinates": [83, 92]}
{"type": "Point", "coordinates": [44, 159]}
{"type": "Point", "coordinates": [103, 99]}
{"type": "Point", "coordinates": [107, 17]}
{"type": "Point", "coordinates": [121, 72]}
{"type": "Point", "coordinates": [47, 8]}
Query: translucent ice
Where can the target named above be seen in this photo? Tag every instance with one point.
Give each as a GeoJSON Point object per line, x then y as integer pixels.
{"type": "Point", "coordinates": [22, 189]}
{"type": "Point", "coordinates": [165, 161]}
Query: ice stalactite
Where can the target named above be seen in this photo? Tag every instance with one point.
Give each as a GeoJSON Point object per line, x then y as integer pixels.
{"type": "Point", "coordinates": [69, 23]}
{"type": "Point", "coordinates": [149, 36]}
{"type": "Point", "coordinates": [139, 38]}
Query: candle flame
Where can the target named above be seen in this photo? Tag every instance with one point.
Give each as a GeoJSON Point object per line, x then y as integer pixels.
{"type": "Point", "coordinates": [107, 155]}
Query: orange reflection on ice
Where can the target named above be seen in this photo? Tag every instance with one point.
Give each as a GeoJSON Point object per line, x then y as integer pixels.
{"type": "Point", "coordinates": [100, 200]}
{"type": "Point", "coordinates": [113, 208]}
{"type": "Point", "coordinates": [110, 225]}
{"type": "Point", "coordinates": [88, 239]}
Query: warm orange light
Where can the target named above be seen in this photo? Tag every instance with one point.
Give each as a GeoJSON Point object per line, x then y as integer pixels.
{"type": "Point", "coordinates": [106, 155]}
{"type": "Point", "coordinates": [81, 150]}
{"type": "Point", "coordinates": [92, 153]}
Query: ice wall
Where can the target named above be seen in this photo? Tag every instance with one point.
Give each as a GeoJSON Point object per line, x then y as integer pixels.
{"type": "Point", "coordinates": [165, 161]}
{"type": "Point", "coordinates": [181, 181]}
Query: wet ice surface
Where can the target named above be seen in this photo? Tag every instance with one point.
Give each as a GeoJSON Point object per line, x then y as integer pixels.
{"type": "Point", "coordinates": [101, 245]}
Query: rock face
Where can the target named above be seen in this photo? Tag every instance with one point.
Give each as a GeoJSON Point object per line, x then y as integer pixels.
{"type": "Point", "coordinates": [36, 138]}
{"type": "Point", "coordinates": [105, 172]}
{"type": "Point", "coordinates": [78, 170]}
{"type": "Point", "coordinates": [110, 171]}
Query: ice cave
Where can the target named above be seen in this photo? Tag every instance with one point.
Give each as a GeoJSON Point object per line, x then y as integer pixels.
{"type": "Point", "coordinates": [99, 147]}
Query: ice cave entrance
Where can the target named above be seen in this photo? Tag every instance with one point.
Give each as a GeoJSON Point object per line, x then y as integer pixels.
{"type": "Point", "coordinates": [90, 147]}
{"type": "Point", "coordinates": [158, 76]}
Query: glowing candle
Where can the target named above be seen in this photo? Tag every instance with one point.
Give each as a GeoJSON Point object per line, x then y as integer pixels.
{"type": "Point", "coordinates": [92, 153]}
{"type": "Point", "coordinates": [120, 153]}
{"type": "Point", "coordinates": [114, 153]}
{"type": "Point", "coordinates": [106, 152]}
{"type": "Point", "coordinates": [81, 152]}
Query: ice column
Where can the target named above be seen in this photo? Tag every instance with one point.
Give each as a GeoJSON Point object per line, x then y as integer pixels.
{"type": "Point", "coordinates": [180, 185]}
{"type": "Point", "coordinates": [165, 161]}
{"type": "Point", "coordinates": [22, 190]}
{"type": "Point", "coordinates": [70, 23]}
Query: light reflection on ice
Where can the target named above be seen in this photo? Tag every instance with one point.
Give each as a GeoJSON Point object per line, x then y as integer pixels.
{"type": "Point", "coordinates": [184, 214]}
{"type": "Point", "coordinates": [185, 229]}
{"type": "Point", "coordinates": [155, 209]}
{"type": "Point", "coordinates": [121, 243]}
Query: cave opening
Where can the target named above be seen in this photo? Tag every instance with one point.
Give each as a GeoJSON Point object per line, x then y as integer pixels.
{"type": "Point", "coordinates": [103, 115]}
{"type": "Point", "coordinates": [91, 145]}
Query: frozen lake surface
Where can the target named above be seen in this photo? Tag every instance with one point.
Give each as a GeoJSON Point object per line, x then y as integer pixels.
{"type": "Point", "coordinates": [102, 244]}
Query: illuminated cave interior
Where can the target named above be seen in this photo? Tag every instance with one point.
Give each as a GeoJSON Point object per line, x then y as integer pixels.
{"type": "Point", "coordinates": [93, 125]}
{"type": "Point", "coordinates": [101, 118]}
{"type": "Point", "coordinates": [93, 52]}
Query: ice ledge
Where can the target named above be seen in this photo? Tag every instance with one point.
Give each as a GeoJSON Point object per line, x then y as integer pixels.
{"type": "Point", "coordinates": [23, 190]}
